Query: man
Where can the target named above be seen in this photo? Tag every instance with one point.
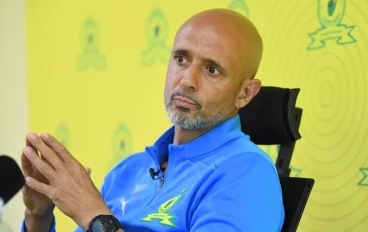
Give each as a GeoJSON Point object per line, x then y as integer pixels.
{"type": "Point", "coordinates": [203, 174]}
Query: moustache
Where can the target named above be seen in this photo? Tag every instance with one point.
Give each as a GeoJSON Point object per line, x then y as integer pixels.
{"type": "Point", "coordinates": [181, 94]}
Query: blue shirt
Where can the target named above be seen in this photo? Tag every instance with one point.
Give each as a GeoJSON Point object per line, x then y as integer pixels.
{"type": "Point", "coordinates": [220, 181]}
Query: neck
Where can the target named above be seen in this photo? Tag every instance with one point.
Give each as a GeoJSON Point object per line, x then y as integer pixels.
{"type": "Point", "coordinates": [183, 136]}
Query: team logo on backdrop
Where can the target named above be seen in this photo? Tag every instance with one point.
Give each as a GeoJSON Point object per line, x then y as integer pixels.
{"type": "Point", "coordinates": [62, 134]}
{"type": "Point", "coordinates": [162, 214]}
{"type": "Point", "coordinates": [121, 144]}
{"type": "Point", "coordinates": [295, 172]}
{"type": "Point", "coordinates": [156, 34]}
{"type": "Point", "coordinates": [239, 6]}
{"type": "Point", "coordinates": [330, 15]}
{"type": "Point", "coordinates": [364, 180]}
{"type": "Point", "coordinates": [90, 57]}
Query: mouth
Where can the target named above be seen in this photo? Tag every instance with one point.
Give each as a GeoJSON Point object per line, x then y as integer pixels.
{"type": "Point", "coordinates": [183, 102]}
{"type": "Point", "coordinates": [184, 99]}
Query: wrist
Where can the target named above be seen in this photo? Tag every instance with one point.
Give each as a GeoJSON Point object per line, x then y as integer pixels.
{"type": "Point", "coordinates": [85, 219]}
{"type": "Point", "coordinates": [36, 222]}
{"type": "Point", "coordinates": [105, 223]}
{"type": "Point", "coordinates": [37, 215]}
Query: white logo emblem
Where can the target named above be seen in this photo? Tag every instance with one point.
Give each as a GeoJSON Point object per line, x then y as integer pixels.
{"type": "Point", "coordinates": [124, 203]}
{"type": "Point", "coordinates": [136, 190]}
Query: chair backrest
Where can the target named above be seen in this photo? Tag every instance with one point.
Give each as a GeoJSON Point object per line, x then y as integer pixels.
{"type": "Point", "coordinates": [271, 118]}
{"type": "Point", "coordinates": [295, 192]}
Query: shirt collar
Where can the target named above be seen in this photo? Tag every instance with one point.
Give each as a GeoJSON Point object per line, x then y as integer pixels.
{"type": "Point", "coordinates": [215, 138]}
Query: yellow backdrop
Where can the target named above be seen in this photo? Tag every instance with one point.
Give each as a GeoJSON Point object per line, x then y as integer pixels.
{"type": "Point", "coordinates": [96, 73]}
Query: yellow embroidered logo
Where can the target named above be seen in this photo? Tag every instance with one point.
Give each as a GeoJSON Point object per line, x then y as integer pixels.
{"type": "Point", "coordinates": [162, 215]}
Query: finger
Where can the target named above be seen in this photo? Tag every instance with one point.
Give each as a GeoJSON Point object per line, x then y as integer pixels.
{"type": "Point", "coordinates": [30, 170]}
{"type": "Point", "coordinates": [39, 164]}
{"type": "Point", "coordinates": [59, 149]}
{"type": "Point", "coordinates": [26, 165]}
{"type": "Point", "coordinates": [88, 170]}
{"type": "Point", "coordinates": [45, 150]}
{"type": "Point", "coordinates": [29, 144]}
{"type": "Point", "coordinates": [39, 187]}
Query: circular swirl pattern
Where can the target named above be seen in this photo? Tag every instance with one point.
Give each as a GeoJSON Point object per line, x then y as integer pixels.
{"type": "Point", "coordinates": [333, 96]}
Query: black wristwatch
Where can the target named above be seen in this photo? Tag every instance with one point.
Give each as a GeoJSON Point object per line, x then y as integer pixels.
{"type": "Point", "coordinates": [104, 223]}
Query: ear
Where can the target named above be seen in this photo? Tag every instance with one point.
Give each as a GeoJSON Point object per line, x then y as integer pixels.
{"type": "Point", "coordinates": [249, 89]}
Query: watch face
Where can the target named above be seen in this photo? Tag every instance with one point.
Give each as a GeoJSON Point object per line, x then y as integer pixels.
{"type": "Point", "coordinates": [103, 224]}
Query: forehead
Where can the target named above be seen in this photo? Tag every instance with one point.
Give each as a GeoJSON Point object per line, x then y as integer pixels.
{"type": "Point", "coordinates": [209, 42]}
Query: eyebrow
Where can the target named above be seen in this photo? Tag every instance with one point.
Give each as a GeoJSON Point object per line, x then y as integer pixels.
{"type": "Point", "coordinates": [208, 60]}
{"type": "Point", "coordinates": [180, 51]}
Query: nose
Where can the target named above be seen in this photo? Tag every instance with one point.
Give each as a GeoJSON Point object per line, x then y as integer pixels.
{"type": "Point", "coordinates": [190, 77]}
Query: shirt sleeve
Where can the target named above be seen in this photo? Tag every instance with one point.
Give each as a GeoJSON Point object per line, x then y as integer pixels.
{"type": "Point", "coordinates": [245, 196]}
{"type": "Point", "coordinates": [23, 228]}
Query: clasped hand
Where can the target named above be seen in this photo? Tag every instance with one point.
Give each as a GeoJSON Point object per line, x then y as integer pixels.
{"type": "Point", "coordinates": [68, 184]}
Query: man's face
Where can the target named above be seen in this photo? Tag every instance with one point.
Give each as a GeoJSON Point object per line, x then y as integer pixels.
{"type": "Point", "coordinates": [203, 78]}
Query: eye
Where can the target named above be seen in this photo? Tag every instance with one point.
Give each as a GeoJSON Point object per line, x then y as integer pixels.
{"type": "Point", "coordinates": [213, 70]}
{"type": "Point", "coordinates": [180, 59]}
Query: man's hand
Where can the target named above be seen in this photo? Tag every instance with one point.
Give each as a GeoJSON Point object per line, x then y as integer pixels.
{"type": "Point", "coordinates": [39, 208]}
{"type": "Point", "coordinates": [68, 184]}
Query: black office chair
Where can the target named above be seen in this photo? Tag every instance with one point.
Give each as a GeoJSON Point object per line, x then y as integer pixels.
{"type": "Point", "coordinates": [271, 118]}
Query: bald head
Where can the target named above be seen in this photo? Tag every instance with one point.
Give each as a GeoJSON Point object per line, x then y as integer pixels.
{"type": "Point", "coordinates": [239, 36]}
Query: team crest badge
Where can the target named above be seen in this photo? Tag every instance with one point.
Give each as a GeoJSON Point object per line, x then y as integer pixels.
{"type": "Point", "coordinates": [330, 15]}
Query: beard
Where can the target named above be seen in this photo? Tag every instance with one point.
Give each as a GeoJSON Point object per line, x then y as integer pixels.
{"type": "Point", "coordinates": [201, 120]}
